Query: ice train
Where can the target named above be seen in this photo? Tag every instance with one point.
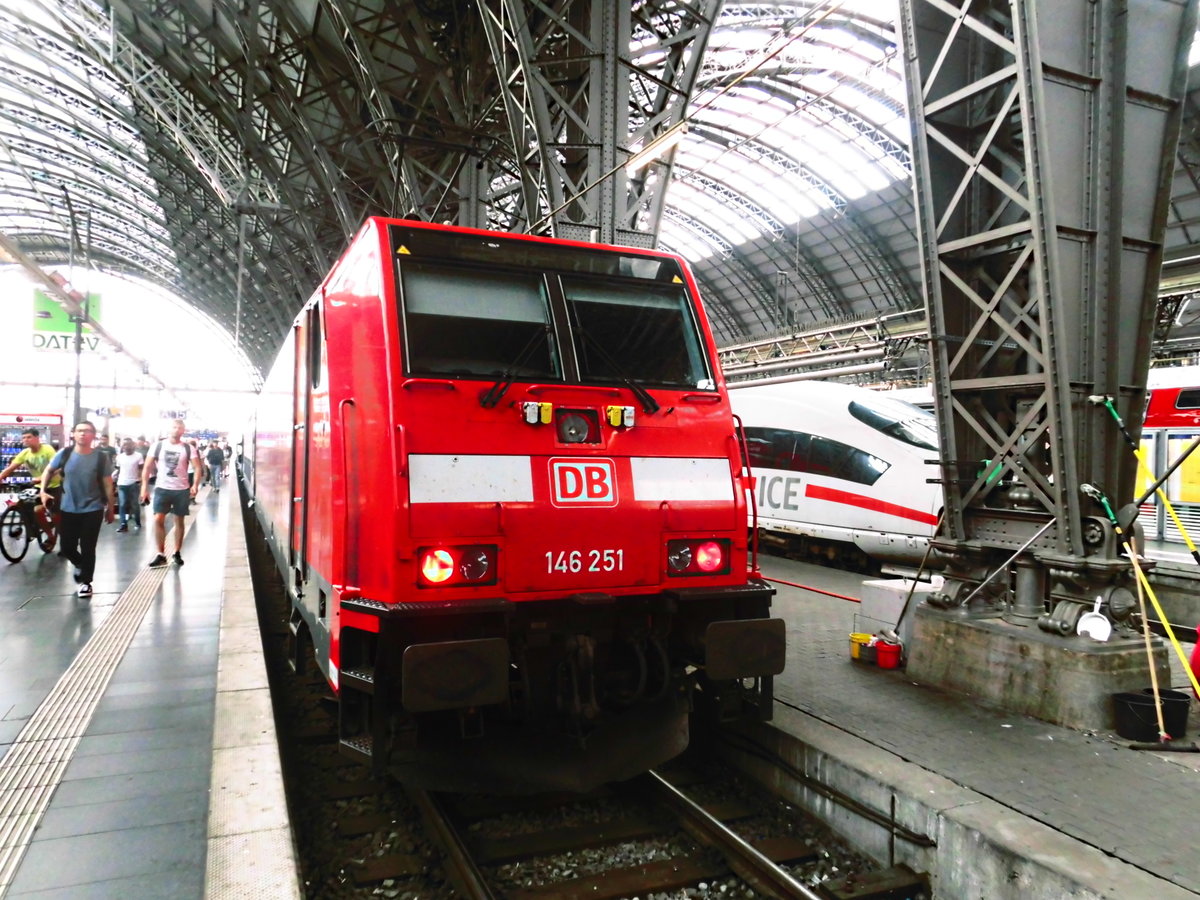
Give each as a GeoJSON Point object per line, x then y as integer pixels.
{"type": "Point", "coordinates": [841, 471]}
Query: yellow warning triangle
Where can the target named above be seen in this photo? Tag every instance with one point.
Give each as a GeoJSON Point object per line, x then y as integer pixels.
{"type": "Point", "coordinates": [675, 279]}
{"type": "Point", "coordinates": [404, 250]}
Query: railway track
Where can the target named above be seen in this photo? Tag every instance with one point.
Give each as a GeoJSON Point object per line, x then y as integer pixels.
{"type": "Point", "coordinates": [689, 831]}
{"type": "Point", "coordinates": [720, 853]}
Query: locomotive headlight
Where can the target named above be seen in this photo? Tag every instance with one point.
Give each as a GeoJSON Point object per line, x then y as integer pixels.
{"type": "Point", "coordinates": [577, 426]}
{"type": "Point", "coordinates": [456, 566]}
{"type": "Point", "coordinates": [437, 566]}
{"type": "Point", "coordinates": [475, 564]}
{"type": "Point", "coordinates": [679, 555]}
{"type": "Point", "coordinates": [698, 556]}
{"type": "Point", "coordinates": [710, 556]}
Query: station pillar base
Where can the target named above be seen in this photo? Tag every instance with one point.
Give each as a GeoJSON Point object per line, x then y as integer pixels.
{"type": "Point", "coordinates": [1025, 671]}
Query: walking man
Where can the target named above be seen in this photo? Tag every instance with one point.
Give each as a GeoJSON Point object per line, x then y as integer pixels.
{"type": "Point", "coordinates": [88, 500]}
{"type": "Point", "coordinates": [168, 461]}
{"type": "Point", "coordinates": [129, 478]}
{"type": "Point", "coordinates": [215, 458]}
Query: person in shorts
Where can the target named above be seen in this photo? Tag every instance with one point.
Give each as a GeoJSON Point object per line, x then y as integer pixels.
{"type": "Point", "coordinates": [168, 462]}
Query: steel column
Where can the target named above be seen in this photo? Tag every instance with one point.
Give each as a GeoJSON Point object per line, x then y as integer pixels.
{"type": "Point", "coordinates": [1043, 146]}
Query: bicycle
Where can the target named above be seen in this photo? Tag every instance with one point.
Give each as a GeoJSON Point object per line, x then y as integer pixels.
{"type": "Point", "coordinates": [20, 526]}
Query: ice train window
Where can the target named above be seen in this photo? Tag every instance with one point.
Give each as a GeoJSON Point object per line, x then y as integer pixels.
{"type": "Point", "coordinates": [1189, 398]}
{"type": "Point", "coordinates": [639, 331]}
{"type": "Point", "coordinates": [897, 419]}
{"type": "Point", "coordinates": [462, 321]}
{"type": "Point", "coordinates": [795, 451]}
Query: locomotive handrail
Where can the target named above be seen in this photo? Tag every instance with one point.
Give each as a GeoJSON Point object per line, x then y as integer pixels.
{"type": "Point", "coordinates": [701, 398]}
{"type": "Point", "coordinates": [429, 383]}
{"type": "Point", "coordinates": [748, 486]}
{"type": "Point", "coordinates": [401, 451]}
{"type": "Point", "coordinates": [543, 388]}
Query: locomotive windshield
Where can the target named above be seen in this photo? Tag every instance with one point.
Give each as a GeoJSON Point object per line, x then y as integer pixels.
{"type": "Point", "coordinates": [641, 332]}
{"type": "Point", "coordinates": [463, 322]}
{"type": "Point", "coordinates": [499, 307]}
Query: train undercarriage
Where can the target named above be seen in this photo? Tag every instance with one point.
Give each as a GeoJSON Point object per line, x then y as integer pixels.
{"type": "Point", "coordinates": [559, 695]}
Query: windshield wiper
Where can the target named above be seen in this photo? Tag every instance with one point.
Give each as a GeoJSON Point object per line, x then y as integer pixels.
{"type": "Point", "coordinates": [497, 390]}
{"type": "Point", "coordinates": [649, 404]}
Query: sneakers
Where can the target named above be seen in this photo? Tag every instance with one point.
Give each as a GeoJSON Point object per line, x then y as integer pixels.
{"type": "Point", "coordinates": [85, 590]}
{"type": "Point", "coordinates": [124, 528]}
{"type": "Point", "coordinates": [177, 558]}
{"type": "Point", "coordinates": [158, 561]}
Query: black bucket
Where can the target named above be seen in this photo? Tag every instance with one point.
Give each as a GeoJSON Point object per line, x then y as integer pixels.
{"type": "Point", "coordinates": [1137, 720]}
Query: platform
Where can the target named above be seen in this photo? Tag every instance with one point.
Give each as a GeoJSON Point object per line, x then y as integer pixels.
{"type": "Point", "coordinates": [137, 745]}
{"type": "Point", "coordinates": [1012, 807]}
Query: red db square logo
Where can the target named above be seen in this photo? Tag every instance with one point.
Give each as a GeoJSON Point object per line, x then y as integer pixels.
{"type": "Point", "coordinates": [591, 482]}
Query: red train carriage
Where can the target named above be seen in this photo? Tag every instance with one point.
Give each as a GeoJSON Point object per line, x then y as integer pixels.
{"type": "Point", "coordinates": [501, 476]}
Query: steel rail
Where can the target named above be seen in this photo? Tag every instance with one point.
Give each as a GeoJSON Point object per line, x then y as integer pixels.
{"type": "Point", "coordinates": [749, 864]}
{"type": "Point", "coordinates": [460, 865]}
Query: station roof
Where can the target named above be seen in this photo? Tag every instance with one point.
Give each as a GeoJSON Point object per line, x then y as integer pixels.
{"type": "Point", "coordinates": [220, 150]}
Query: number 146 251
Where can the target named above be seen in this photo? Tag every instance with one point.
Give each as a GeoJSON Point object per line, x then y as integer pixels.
{"type": "Point", "coordinates": [573, 561]}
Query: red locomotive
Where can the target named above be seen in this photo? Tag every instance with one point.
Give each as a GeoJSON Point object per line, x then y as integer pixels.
{"type": "Point", "coordinates": [501, 478]}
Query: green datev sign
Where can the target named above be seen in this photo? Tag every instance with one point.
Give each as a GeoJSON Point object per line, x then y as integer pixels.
{"type": "Point", "coordinates": [53, 329]}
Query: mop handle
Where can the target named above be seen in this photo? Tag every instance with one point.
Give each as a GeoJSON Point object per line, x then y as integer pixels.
{"type": "Point", "coordinates": [1158, 712]}
{"type": "Point", "coordinates": [1139, 454]}
{"type": "Point", "coordinates": [1097, 495]}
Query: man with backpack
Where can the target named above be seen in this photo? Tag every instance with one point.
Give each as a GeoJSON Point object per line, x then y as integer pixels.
{"type": "Point", "coordinates": [88, 499]}
{"type": "Point", "coordinates": [215, 459]}
{"type": "Point", "coordinates": [168, 461]}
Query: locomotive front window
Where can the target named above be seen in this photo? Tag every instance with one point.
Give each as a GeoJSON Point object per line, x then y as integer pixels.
{"type": "Point", "coordinates": [638, 332]}
{"type": "Point", "coordinates": [460, 321]}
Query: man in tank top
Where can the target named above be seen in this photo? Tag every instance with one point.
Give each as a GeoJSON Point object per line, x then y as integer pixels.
{"type": "Point", "coordinates": [168, 462]}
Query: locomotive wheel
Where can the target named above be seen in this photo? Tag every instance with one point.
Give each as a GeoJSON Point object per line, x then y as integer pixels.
{"type": "Point", "coordinates": [14, 538]}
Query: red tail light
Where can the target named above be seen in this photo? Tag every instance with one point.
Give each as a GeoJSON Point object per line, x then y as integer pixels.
{"type": "Point", "coordinates": [698, 556]}
{"type": "Point", "coordinates": [453, 566]}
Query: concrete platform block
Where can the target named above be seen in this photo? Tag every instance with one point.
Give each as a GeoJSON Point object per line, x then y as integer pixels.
{"type": "Point", "coordinates": [1024, 670]}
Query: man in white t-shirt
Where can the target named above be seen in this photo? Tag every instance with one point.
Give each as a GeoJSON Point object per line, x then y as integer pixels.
{"type": "Point", "coordinates": [128, 464]}
{"type": "Point", "coordinates": [168, 459]}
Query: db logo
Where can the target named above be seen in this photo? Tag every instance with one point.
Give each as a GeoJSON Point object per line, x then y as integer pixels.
{"type": "Point", "coordinates": [583, 482]}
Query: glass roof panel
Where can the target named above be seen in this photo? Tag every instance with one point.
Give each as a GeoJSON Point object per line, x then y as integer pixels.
{"type": "Point", "coordinates": [818, 112]}
{"type": "Point", "coordinates": [76, 144]}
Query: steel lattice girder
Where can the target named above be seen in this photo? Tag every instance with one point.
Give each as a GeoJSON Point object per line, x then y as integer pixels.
{"type": "Point", "coordinates": [1042, 146]}
{"type": "Point", "coordinates": [574, 94]}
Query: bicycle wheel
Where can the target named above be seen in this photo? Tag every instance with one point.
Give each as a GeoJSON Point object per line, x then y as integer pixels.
{"type": "Point", "coordinates": [14, 536]}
